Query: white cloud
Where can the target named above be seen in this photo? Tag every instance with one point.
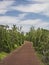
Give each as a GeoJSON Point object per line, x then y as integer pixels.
{"type": "Point", "coordinates": [5, 6]}
{"type": "Point", "coordinates": [8, 20]}
{"type": "Point", "coordinates": [11, 20]}
{"type": "Point", "coordinates": [42, 24]}
{"type": "Point", "coordinates": [29, 22]}
{"type": "Point", "coordinates": [46, 11]}
{"type": "Point", "coordinates": [3, 11]}
{"type": "Point", "coordinates": [35, 8]}
{"type": "Point", "coordinates": [20, 16]}
{"type": "Point", "coordinates": [25, 28]}
{"type": "Point", "coordinates": [31, 8]}
{"type": "Point", "coordinates": [36, 23]}
{"type": "Point", "coordinates": [26, 24]}
{"type": "Point", "coordinates": [41, 0]}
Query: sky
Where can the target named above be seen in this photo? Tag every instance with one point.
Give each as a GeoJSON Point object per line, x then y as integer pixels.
{"type": "Point", "coordinates": [25, 13]}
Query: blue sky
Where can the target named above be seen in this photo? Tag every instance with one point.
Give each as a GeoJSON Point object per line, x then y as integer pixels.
{"type": "Point", "coordinates": [25, 13]}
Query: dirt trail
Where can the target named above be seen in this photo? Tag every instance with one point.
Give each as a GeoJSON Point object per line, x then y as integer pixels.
{"type": "Point", "coordinates": [24, 56]}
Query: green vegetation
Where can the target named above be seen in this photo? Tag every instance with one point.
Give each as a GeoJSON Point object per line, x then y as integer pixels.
{"type": "Point", "coordinates": [40, 39]}
{"type": "Point", "coordinates": [10, 39]}
{"type": "Point", "coordinates": [2, 55]}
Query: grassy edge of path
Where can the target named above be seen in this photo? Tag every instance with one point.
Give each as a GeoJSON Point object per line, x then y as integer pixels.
{"type": "Point", "coordinates": [4, 54]}
{"type": "Point", "coordinates": [40, 57]}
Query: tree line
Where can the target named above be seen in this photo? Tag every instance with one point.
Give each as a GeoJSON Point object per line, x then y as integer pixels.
{"type": "Point", "coordinates": [10, 38]}
{"type": "Point", "coordinates": [40, 39]}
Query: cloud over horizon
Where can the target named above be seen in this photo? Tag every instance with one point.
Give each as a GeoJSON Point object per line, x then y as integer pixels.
{"type": "Point", "coordinates": [25, 12]}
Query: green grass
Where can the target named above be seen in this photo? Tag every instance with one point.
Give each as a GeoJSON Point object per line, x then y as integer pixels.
{"type": "Point", "coordinates": [40, 57]}
{"type": "Point", "coordinates": [2, 55]}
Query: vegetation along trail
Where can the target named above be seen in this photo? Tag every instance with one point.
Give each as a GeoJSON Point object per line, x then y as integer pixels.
{"type": "Point", "coordinates": [23, 56]}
